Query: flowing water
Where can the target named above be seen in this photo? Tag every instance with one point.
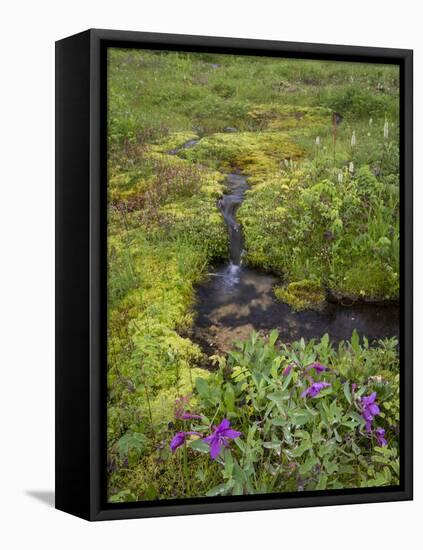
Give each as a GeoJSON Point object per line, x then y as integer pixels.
{"type": "Point", "coordinates": [228, 205]}
{"type": "Point", "coordinates": [236, 300]}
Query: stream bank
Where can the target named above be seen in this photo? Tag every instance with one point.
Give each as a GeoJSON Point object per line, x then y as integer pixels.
{"type": "Point", "coordinates": [236, 300]}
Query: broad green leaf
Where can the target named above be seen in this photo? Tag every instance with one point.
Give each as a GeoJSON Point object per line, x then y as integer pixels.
{"type": "Point", "coordinates": [199, 445]}
{"type": "Point", "coordinates": [272, 445]}
{"type": "Point", "coordinates": [299, 451]}
{"type": "Point", "coordinates": [308, 465]}
{"type": "Point", "coordinates": [287, 380]}
{"type": "Point", "coordinates": [279, 398]}
{"type": "Point", "coordinates": [273, 336]}
{"type": "Point", "coordinates": [202, 387]}
{"type": "Point", "coordinates": [322, 483]}
{"type": "Point", "coordinates": [302, 434]}
{"type": "Point", "coordinates": [278, 422]}
{"type": "Point", "coordinates": [347, 392]}
{"type": "Point", "coordinates": [229, 397]}
{"type": "Point", "coordinates": [218, 490]}
{"type": "Point", "coordinates": [301, 417]}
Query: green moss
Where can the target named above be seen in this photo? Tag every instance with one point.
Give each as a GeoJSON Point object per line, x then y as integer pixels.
{"type": "Point", "coordinates": [370, 279]}
{"type": "Point", "coordinates": [173, 141]}
{"type": "Point", "coordinates": [298, 219]}
{"type": "Point", "coordinates": [255, 154]}
{"type": "Point", "coordinates": [284, 117]}
{"type": "Point", "coordinates": [301, 295]}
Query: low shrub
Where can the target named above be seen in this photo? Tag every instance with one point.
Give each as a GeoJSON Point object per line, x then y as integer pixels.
{"type": "Point", "coordinates": [297, 417]}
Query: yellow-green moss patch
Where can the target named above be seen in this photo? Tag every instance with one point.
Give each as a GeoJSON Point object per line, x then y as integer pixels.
{"type": "Point", "coordinates": [255, 154]}
{"type": "Point", "coordinates": [173, 141]}
{"type": "Point", "coordinates": [301, 295]}
{"type": "Point", "coordinates": [287, 117]}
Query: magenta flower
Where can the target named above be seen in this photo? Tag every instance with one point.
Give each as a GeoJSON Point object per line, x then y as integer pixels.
{"type": "Point", "coordinates": [181, 403]}
{"type": "Point", "coordinates": [220, 437]}
{"type": "Point", "coordinates": [179, 439]}
{"type": "Point", "coordinates": [380, 436]}
{"type": "Point", "coordinates": [315, 389]}
{"type": "Point", "coordinates": [318, 367]}
{"type": "Point", "coordinates": [287, 370]}
{"type": "Point", "coordinates": [369, 409]}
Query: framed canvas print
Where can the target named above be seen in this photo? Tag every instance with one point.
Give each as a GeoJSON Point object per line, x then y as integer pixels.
{"type": "Point", "coordinates": [234, 274]}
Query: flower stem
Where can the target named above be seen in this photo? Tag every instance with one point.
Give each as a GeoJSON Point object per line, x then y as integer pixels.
{"type": "Point", "coordinates": [186, 473]}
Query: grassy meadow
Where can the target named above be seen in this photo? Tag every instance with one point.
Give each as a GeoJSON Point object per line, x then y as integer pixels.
{"type": "Point", "coordinates": [319, 142]}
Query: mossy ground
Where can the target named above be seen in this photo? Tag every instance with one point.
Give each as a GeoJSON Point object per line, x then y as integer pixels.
{"type": "Point", "coordinates": [308, 216]}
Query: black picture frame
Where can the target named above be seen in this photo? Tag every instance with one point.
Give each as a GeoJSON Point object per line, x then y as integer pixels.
{"type": "Point", "coordinates": [81, 104]}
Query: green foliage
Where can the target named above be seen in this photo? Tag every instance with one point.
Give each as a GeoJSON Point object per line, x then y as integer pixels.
{"type": "Point", "coordinates": [292, 443]}
{"type": "Point", "coordinates": [288, 442]}
{"type": "Point", "coordinates": [309, 216]}
{"type": "Point", "coordinates": [341, 232]}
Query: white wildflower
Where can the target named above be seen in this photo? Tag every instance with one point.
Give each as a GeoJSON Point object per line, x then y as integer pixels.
{"type": "Point", "coordinates": [386, 129]}
{"type": "Point", "coordinates": [353, 140]}
{"type": "Point", "coordinates": [318, 141]}
{"type": "Point", "coordinates": [351, 168]}
{"type": "Point", "coordinates": [340, 177]}
{"type": "Point", "coordinates": [370, 121]}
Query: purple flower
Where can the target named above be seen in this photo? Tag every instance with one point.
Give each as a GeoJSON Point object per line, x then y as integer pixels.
{"type": "Point", "coordinates": [315, 389]}
{"type": "Point", "coordinates": [353, 386]}
{"type": "Point", "coordinates": [180, 405]}
{"type": "Point", "coordinates": [189, 416]}
{"type": "Point", "coordinates": [287, 370]}
{"type": "Point", "coordinates": [179, 439]}
{"type": "Point", "coordinates": [318, 367]}
{"type": "Point", "coordinates": [369, 409]}
{"type": "Point", "coordinates": [220, 437]}
{"type": "Point", "coordinates": [380, 436]}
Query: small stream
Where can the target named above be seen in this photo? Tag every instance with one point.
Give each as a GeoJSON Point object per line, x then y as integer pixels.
{"type": "Point", "coordinates": [235, 300]}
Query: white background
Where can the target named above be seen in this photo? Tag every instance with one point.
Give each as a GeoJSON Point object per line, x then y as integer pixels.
{"type": "Point", "coordinates": [28, 31]}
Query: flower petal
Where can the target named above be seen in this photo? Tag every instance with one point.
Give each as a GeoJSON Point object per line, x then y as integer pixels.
{"type": "Point", "coordinates": [231, 434]}
{"type": "Point", "coordinates": [177, 441]}
{"type": "Point", "coordinates": [224, 425]}
{"type": "Point", "coordinates": [372, 397]}
{"type": "Point", "coordinates": [373, 409]}
{"type": "Point", "coordinates": [215, 448]}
